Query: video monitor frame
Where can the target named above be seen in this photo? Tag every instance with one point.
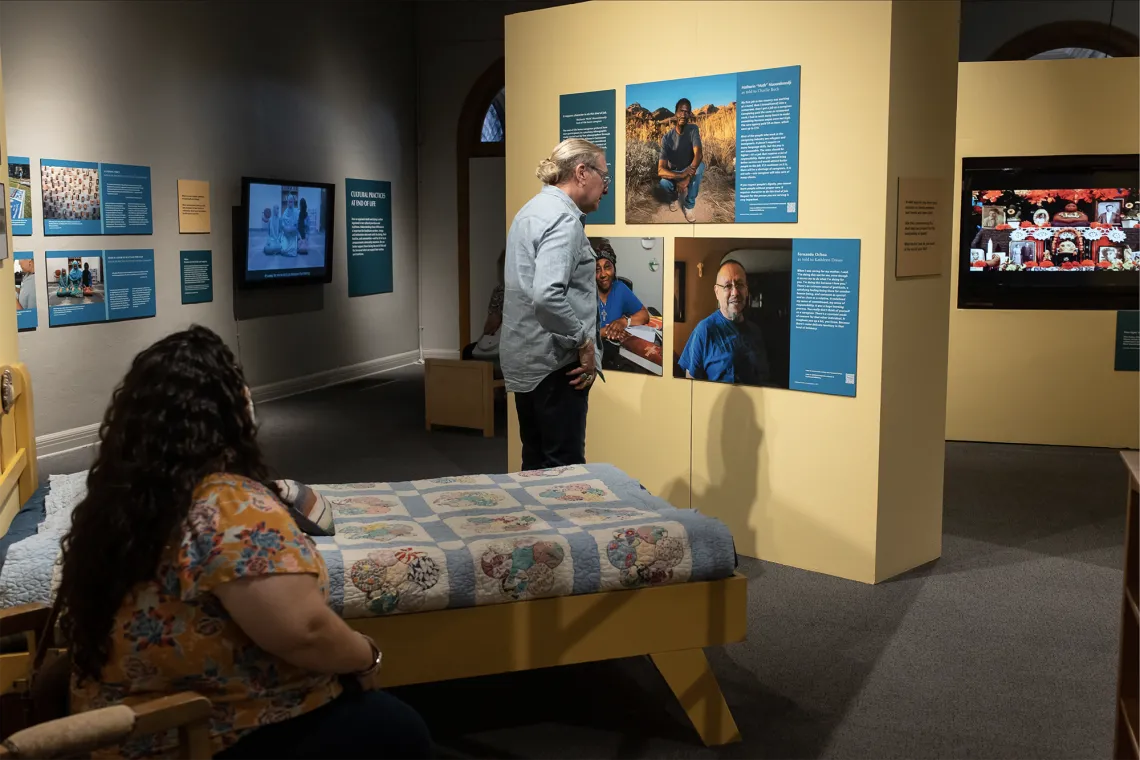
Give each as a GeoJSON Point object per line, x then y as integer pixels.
{"type": "Point", "coordinates": [295, 245]}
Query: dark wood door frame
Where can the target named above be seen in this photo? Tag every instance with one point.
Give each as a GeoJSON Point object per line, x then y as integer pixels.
{"type": "Point", "coordinates": [469, 145]}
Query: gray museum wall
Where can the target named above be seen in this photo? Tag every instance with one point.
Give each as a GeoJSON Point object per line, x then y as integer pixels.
{"type": "Point", "coordinates": [456, 42]}
{"type": "Point", "coordinates": [214, 91]}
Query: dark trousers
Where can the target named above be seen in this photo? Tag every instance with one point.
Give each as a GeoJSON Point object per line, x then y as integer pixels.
{"type": "Point", "coordinates": [552, 422]}
{"type": "Point", "coordinates": [372, 724]}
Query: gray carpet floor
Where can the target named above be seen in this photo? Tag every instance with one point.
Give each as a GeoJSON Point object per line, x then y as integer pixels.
{"type": "Point", "coordinates": [1006, 647]}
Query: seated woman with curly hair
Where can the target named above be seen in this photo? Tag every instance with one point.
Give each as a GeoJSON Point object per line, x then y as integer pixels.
{"type": "Point", "coordinates": [183, 571]}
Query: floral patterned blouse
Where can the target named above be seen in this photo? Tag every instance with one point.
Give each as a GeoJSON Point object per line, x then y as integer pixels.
{"type": "Point", "coordinates": [172, 634]}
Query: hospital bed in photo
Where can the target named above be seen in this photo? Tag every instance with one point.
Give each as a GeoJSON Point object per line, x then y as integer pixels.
{"type": "Point", "coordinates": [478, 574]}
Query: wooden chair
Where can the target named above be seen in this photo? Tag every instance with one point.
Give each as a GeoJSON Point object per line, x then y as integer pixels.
{"type": "Point", "coordinates": [76, 735]}
{"type": "Point", "coordinates": [460, 393]}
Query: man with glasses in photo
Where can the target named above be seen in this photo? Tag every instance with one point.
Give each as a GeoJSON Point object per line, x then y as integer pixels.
{"type": "Point", "coordinates": [725, 346]}
{"type": "Point", "coordinates": [549, 349]}
{"type": "Point", "coordinates": [681, 166]}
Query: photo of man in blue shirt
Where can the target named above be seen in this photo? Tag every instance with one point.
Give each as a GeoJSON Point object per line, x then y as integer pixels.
{"type": "Point", "coordinates": [618, 306]}
{"type": "Point", "coordinates": [725, 346]}
{"type": "Point", "coordinates": [681, 165]}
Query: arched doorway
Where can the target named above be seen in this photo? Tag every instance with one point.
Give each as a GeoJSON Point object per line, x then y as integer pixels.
{"type": "Point", "coordinates": [1069, 39]}
{"type": "Point", "coordinates": [481, 138]}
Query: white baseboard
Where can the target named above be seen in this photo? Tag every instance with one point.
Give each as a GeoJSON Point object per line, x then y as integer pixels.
{"type": "Point", "coordinates": [64, 441]}
{"type": "Point", "coordinates": [67, 440]}
{"type": "Point", "coordinates": [296, 386]}
{"type": "Point", "coordinates": [442, 353]}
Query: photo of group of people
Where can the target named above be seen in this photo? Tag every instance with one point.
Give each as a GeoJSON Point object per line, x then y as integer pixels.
{"type": "Point", "coordinates": [737, 310]}
{"type": "Point", "coordinates": [680, 151]}
{"type": "Point", "coordinates": [630, 279]}
{"type": "Point", "coordinates": [20, 195]}
{"type": "Point", "coordinates": [75, 280]}
{"type": "Point", "coordinates": [70, 193]}
{"type": "Point", "coordinates": [286, 227]}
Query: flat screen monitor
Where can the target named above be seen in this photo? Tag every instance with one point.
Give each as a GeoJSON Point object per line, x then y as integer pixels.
{"type": "Point", "coordinates": [287, 235]}
{"type": "Point", "coordinates": [1050, 233]}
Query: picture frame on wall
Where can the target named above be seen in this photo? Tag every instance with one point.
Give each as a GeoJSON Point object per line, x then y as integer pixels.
{"type": "Point", "coordinates": [679, 291]}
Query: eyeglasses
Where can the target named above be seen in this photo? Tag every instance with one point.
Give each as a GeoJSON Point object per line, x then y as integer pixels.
{"type": "Point", "coordinates": [604, 175]}
{"type": "Point", "coordinates": [740, 287]}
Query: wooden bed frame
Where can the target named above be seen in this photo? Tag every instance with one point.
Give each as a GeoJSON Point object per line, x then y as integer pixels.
{"type": "Point", "coordinates": [672, 623]}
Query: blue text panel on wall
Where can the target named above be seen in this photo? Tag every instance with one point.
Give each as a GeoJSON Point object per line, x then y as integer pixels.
{"type": "Point", "coordinates": [85, 198]}
{"type": "Point", "coordinates": [590, 116]}
{"type": "Point", "coordinates": [197, 276]}
{"type": "Point", "coordinates": [368, 219]}
{"type": "Point", "coordinates": [20, 194]}
{"type": "Point", "coordinates": [27, 317]}
{"type": "Point", "coordinates": [99, 286]}
{"type": "Point", "coordinates": [824, 353]}
{"type": "Point", "coordinates": [718, 149]}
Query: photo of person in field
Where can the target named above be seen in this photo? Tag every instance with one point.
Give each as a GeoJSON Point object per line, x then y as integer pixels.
{"type": "Point", "coordinates": [681, 158]}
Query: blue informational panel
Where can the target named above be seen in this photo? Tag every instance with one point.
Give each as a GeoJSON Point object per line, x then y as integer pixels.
{"type": "Point", "coordinates": [197, 272]}
{"type": "Point", "coordinates": [368, 219]}
{"type": "Point", "coordinates": [768, 145]}
{"type": "Point", "coordinates": [590, 116]}
{"type": "Point", "coordinates": [84, 198]}
{"type": "Point", "coordinates": [20, 194]}
{"type": "Point", "coordinates": [718, 149]}
{"type": "Point", "coordinates": [130, 284]}
{"type": "Point", "coordinates": [27, 318]}
{"type": "Point", "coordinates": [99, 286]}
{"type": "Point", "coordinates": [1127, 341]}
{"type": "Point", "coordinates": [824, 348]}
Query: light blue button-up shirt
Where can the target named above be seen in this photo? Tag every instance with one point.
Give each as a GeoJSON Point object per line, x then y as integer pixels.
{"type": "Point", "coordinates": [550, 305]}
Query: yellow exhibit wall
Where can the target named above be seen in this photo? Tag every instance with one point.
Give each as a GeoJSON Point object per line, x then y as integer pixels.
{"type": "Point", "coordinates": [9, 350]}
{"type": "Point", "coordinates": [800, 478]}
{"type": "Point", "coordinates": [1043, 377]}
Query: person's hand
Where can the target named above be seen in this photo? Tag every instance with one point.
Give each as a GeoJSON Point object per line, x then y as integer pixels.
{"type": "Point", "coordinates": [583, 376]}
{"type": "Point", "coordinates": [614, 331]}
{"type": "Point", "coordinates": [369, 682]}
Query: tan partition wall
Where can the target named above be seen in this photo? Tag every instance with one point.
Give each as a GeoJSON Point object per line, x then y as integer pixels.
{"type": "Point", "coordinates": [846, 486]}
{"type": "Point", "coordinates": [1067, 355]}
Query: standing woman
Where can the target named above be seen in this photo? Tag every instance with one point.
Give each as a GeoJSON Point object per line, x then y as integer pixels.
{"type": "Point", "coordinates": [303, 228]}
{"type": "Point", "coordinates": [183, 571]}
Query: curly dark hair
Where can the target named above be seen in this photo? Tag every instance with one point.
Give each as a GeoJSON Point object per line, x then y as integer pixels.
{"type": "Point", "coordinates": [180, 414]}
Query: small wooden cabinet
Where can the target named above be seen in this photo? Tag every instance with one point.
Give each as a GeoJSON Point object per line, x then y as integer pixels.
{"type": "Point", "coordinates": [1127, 724]}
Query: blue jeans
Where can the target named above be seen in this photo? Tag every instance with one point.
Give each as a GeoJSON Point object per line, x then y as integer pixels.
{"type": "Point", "coordinates": [670, 187]}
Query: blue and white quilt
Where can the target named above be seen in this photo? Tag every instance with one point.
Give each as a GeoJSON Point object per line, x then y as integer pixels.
{"type": "Point", "coordinates": [463, 541]}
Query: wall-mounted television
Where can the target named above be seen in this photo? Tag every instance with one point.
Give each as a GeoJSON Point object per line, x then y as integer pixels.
{"type": "Point", "coordinates": [286, 237]}
{"type": "Point", "coordinates": [1050, 232]}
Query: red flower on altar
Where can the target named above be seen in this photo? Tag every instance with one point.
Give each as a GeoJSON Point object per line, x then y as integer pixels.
{"type": "Point", "coordinates": [991, 196]}
{"type": "Point", "coordinates": [1003, 227]}
{"type": "Point", "coordinates": [1027, 224]}
{"type": "Point", "coordinates": [1088, 263]}
{"type": "Point", "coordinates": [1030, 264]}
{"type": "Point", "coordinates": [1105, 264]}
{"type": "Point", "coordinates": [1100, 225]}
{"type": "Point", "coordinates": [1067, 265]}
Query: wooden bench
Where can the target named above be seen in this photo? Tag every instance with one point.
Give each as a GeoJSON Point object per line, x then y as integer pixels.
{"type": "Point", "coordinates": [460, 393]}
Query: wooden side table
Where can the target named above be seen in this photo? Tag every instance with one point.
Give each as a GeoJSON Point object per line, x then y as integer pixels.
{"type": "Point", "coordinates": [1128, 683]}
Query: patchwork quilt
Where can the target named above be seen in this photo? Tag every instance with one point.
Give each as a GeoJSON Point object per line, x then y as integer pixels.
{"type": "Point", "coordinates": [487, 539]}
{"type": "Point", "coordinates": [478, 539]}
